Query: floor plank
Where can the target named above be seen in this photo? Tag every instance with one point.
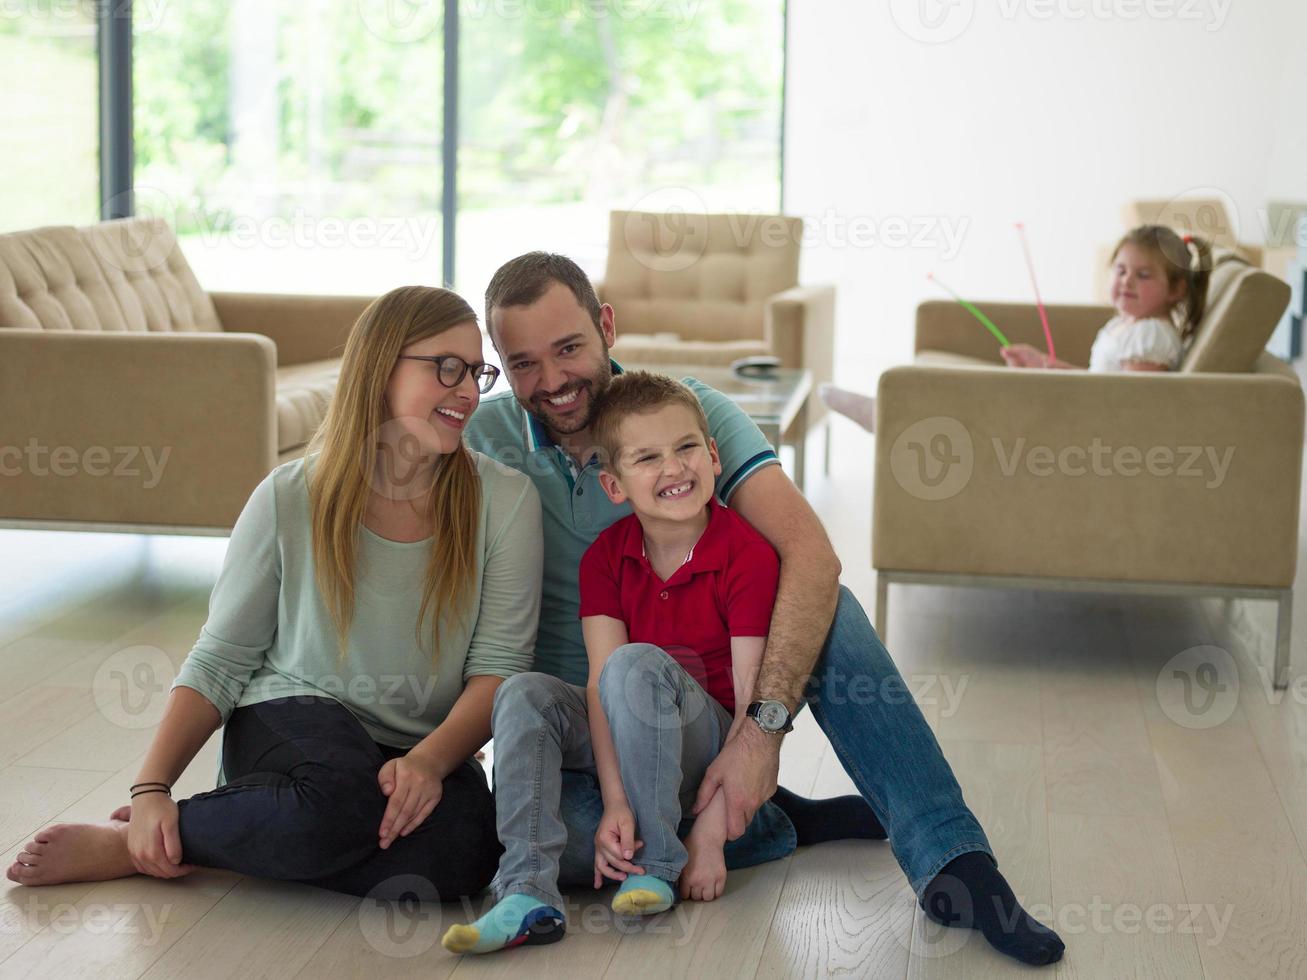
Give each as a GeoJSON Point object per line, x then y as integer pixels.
{"type": "Point", "coordinates": [118, 928]}
{"type": "Point", "coordinates": [259, 928]}
{"type": "Point", "coordinates": [1237, 854]}
{"type": "Point", "coordinates": [846, 910]}
{"type": "Point", "coordinates": [1127, 916]}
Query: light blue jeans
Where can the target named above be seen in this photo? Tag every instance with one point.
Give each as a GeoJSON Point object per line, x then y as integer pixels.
{"type": "Point", "coordinates": [862, 703]}
{"type": "Point", "coordinates": [666, 730]}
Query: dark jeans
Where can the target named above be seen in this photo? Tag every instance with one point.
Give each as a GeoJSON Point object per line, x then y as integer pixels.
{"type": "Point", "coordinates": [302, 803]}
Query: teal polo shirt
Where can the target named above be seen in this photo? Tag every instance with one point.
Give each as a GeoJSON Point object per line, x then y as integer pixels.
{"type": "Point", "coordinates": [575, 507]}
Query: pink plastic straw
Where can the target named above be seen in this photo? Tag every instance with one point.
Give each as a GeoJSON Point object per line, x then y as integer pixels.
{"type": "Point", "coordinates": [1043, 314]}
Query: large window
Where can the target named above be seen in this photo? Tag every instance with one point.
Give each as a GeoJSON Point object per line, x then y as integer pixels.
{"type": "Point", "coordinates": [48, 166]}
{"type": "Point", "coordinates": [299, 145]}
{"type": "Point", "coordinates": [572, 108]}
{"type": "Point", "coordinates": [294, 144]}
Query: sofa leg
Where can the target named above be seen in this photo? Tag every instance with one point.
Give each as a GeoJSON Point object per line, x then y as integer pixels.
{"type": "Point", "coordinates": [882, 604]}
{"type": "Point", "coordinates": [1283, 633]}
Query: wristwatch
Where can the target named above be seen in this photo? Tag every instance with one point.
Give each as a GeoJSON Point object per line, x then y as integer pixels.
{"type": "Point", "coordinates": [772, 717]}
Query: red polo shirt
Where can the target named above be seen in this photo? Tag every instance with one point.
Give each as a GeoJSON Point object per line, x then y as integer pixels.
{"type": "Point", "coordinates": [726, 588]}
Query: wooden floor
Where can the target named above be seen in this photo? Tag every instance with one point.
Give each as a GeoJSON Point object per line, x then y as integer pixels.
{"type": "Point", "coordinates": [1161, 829]}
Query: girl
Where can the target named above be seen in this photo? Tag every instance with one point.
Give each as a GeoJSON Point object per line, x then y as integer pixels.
{"type": "Point", "coordinates": [1159, 288]}
{"type": "Point", "coordinates": [373, 596]}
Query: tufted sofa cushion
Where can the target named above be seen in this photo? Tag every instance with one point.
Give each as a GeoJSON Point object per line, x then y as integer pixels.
{"type": "Point", "coordinates": [127, 275]}
{"type": "Point", "coordinates": [702, 277]}
{"type": "Point", "coordinates": [144, 266]}
{"type": "Point", "coordinates": [49, 280]}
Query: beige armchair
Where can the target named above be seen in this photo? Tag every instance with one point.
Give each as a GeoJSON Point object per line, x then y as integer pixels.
{"type": "Point", "coordinates": [1184, 482]}
{"type": "Point", "coordinates": [132, 400]}
{"type": "Point", "coordinates": [705, 289]}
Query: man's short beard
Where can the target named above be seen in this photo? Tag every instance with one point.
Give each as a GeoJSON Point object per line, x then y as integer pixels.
{"type": "Point", "coordinates": [597, 386]}
{"type": "Point", "coordinates": [550, 425]}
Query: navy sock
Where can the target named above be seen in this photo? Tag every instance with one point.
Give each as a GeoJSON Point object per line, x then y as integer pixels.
{"type": "Point", "coordinates": [817, 821]}
{"type": "Point", "coordinates": [971, 893]}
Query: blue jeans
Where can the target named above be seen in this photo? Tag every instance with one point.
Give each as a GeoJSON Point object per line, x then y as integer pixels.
{"type": "Point", "coordinates": [881, 738]}
{"type": "Point", "coordinates": [547, 799]}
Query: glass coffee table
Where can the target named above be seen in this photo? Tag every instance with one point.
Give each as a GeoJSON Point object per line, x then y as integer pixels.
{"type": "Point", "coordinates": [775, 402]}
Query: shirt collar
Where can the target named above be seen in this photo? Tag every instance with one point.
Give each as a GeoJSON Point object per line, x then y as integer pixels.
{"type": "Point", "coordinates": [708, 553]}
{"type": "Point", "coordinates": [535, 435]}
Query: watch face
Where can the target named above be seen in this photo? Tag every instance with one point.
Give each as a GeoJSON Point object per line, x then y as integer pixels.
{"type": "Point", "coordinates": [772, 715]}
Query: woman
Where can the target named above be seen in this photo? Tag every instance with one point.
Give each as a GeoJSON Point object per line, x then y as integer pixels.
{"type": "Point", "coordinates": [374, 595]}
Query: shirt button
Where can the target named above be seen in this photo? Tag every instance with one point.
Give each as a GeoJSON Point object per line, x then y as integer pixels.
{"type": "Point", "coordinates": [662, 595]}
{"type": "Point", "coordinates": [580, 490]}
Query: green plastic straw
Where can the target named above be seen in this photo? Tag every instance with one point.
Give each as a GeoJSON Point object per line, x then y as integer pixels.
{"type": "Point", "coordinates": [988, 323]}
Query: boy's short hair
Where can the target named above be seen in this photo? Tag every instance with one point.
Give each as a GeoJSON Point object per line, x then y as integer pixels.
{"type": "Point", "coordinates": [637, 393]}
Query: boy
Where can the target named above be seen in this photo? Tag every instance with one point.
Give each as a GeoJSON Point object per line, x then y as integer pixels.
{"type": "Point", "coordinates": [676, 600]}
{"type": "Point", "coordinates": [690, 576]}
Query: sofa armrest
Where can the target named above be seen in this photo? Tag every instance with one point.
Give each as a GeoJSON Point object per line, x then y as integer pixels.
{"type": "Point", "coordinates": [799, 328]}
{"type": "Point", "coordinates": [134, 428]}
{"type": "Point", "coordinates": [1148, 477]}
{"type": "Point", "coordinates": [946, 326]}
{"type": "Point", "coordinates": [304, 328]}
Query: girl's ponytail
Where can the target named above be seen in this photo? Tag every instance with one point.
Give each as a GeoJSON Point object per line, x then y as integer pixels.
{"type": "Point", "coordinates": [1197, 276]}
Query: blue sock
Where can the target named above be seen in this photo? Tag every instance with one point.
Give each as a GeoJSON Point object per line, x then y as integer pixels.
{"type": "Point", "coordinates": [516, 920]}
{"type": "Point", "coordinates": [643, 895]}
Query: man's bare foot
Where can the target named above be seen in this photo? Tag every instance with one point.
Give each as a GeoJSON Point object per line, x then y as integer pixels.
{"type": "Point", "coordinates": [74, 852]}
{"type": "Point", "coordinates": [860, 408]}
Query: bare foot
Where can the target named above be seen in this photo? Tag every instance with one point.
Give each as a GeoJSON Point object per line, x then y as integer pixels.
{"type": "Point", "coordinates": [860, 408]}
{"type": "Point", "coordinates": [704, 876]}
{"type": "Point", "coordinates": [74, 852]}
{"type": "Point", "coordinates": [122, 815]}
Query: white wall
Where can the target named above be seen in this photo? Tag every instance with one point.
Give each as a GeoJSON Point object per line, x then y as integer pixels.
{"type": "Point", "coordinates": [962, 117]}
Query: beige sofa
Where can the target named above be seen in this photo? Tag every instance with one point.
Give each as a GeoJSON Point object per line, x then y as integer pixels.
{"type": "Point", "coordinates": [987, 475]}
{"type": "Point", "coordinates": [705, 289]}
{"type": "Point", "coordinates": [130, 399]}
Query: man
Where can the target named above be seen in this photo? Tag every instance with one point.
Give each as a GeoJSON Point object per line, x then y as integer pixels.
{"type": "Point", "coordinates": [553, 338]}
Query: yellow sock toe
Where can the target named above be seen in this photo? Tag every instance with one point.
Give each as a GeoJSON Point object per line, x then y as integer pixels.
{"type": "Point", "coordinates": [459, 939]}
{"type": "Point", "coordinates": [636, 901]}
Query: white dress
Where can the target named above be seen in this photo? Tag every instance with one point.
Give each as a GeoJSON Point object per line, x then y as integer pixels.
{"type": "Point", "coordinates": [1155, 340]}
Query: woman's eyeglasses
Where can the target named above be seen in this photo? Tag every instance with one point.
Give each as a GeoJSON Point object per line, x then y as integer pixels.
{"type": "Point", "coordinates": [451, 369]}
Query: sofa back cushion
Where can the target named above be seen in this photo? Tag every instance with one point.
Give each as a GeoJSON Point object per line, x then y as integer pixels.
{"type": "Point", "coordinates": [49, 280]}
{"type": "Point", "coordinates": [126, 275]}
{"type": "Point", "coordinates": [149, 276]}
{"type": "Point", "coordinates": [701, 276]}
{"type": "Point", "coordinates": [1244, 306]}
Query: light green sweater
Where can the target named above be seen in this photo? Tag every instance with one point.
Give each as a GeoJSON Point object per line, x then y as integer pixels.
{"type": "Point", "coordinates": [269, 634]}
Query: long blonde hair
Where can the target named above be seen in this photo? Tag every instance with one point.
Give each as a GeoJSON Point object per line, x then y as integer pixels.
{"type": "Point", "coordinates": [346, 447]}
